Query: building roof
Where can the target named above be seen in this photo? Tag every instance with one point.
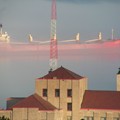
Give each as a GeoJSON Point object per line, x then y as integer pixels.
{"type": "Point", "coordinates": [61, 73]}
{"type": "Point", "coordinates": [101, 100]}
{"type": "Point", "coordinates": [34, 101]}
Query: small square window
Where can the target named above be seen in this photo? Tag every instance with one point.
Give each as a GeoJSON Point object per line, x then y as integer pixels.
{"type": "Point", "coordinates": [69, 117]}
{"type": "Point", "coordinates": [103, 118]}
{"type": "Point", "coordinates": [44, 92]}
{"type": "Point", "coordinates": [57, 92]}
{"type": "Point", "coordinates": [69, 106]}
{"type": "Point", "coordinates": [69, 92]}
{"type": "Point", "coordinates": [88, 118]}
{"type": "Point", "coordinates": [115, 118]}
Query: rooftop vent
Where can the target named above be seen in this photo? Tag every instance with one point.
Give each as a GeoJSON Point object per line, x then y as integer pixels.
{"type": "Point", "coordinates": [118, 71]}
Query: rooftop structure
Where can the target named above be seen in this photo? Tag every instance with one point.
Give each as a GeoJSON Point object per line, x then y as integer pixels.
{"type": "Point", "coordinates": [61, 73]}
{"type": "Point", "coordinates": [118, 71]}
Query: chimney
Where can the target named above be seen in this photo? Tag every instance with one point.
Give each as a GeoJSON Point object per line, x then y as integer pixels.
{"type": "Point", "coordinates": [50, 70]}
{"type": "Point", "coordinates": [118, 71]}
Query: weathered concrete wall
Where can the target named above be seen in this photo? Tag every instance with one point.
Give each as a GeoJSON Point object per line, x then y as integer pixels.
{"type": "Point", "coordinates": [6, 113]}
{"type": "Point", "coordinates": [118, 82]}
{"type": "Point", "coordinates": [35, 114]}
{"type": "Point", "coordinates": [98, 114]}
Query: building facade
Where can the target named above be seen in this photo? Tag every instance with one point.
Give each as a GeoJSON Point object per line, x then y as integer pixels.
{"type": "Point", "coordinates": [64, 89]}
{"type": "Point", "coordinates": [101, 105]}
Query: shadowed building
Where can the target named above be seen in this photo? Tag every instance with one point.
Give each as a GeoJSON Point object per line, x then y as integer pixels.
{"type": "Point", "coordinates": [12, 101]}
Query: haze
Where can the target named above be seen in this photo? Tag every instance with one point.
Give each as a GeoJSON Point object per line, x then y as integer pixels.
{"type": "Point", "coordinates": [20, 18]}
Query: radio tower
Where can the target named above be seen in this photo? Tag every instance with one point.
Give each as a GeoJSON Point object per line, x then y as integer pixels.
{"type": "Point", "coordinates": [53, 43]}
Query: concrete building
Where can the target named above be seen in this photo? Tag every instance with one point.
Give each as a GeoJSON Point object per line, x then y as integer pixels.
{"type": "Point", "coordinates": [63, 95]}
{"type": "Point", "coordinates": [64, 89]}
{"type": "Point", "coordinates": [32, 108]}
{"type": "Point", "coordinates": [100, 105]}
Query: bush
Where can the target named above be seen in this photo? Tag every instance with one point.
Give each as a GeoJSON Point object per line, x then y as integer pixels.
{"type": "Point", "coordinates": [4, 118]}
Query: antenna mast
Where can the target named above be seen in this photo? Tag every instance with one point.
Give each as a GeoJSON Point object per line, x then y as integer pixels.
{"type": "Point", "coordinates": [53, 43]}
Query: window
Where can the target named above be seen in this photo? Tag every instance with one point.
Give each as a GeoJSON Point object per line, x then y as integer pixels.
{"type": "Point", "coordinates": [103, 118]}
{"type": "Point", "coordinates": [88, 118]}
{"type": "Point", "coordinates": [69, 117]}
{"type": "Point", "coordinates": [57, 92]}
{"type": "Point", "coordinates": [69, 106]}
{"type": "Point", "coordinates": [69, 92]}
{"type": "Point", "coordinates": [115, 118]}
{"type": "Point", "coordinates": [44, 92]}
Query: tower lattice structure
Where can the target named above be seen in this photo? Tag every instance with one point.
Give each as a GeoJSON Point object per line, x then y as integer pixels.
{"type": "Point", "coordinates": [53, 42]}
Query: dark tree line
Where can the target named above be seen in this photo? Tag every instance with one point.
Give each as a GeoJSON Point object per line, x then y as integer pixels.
{"type": "Point", "coordinates": [4, 118]}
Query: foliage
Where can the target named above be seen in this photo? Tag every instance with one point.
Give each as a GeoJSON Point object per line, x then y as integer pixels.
{"type": "Point", "coordinates": [4, 118]}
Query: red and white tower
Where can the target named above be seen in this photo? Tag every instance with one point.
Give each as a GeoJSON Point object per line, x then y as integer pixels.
{"type": "Point", "coordinates": [53, 43]}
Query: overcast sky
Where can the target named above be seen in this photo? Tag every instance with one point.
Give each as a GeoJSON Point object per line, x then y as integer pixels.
{"type": "Point", "coordinates": [88, 17]}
